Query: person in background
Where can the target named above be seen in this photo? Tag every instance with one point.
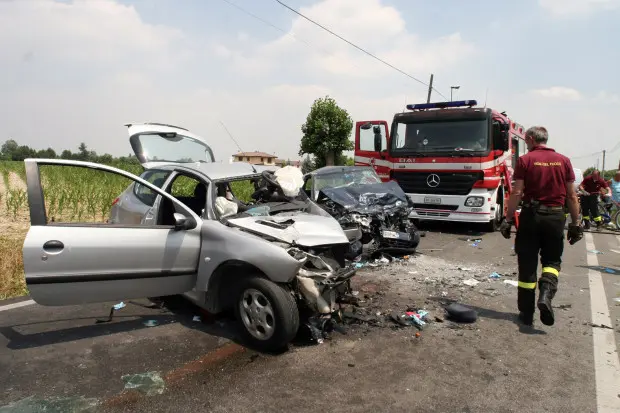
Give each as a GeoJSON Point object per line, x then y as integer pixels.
{"type": "Point", "coordinates": [614, 186]}
{"type": "Point", "coordinates": [593, 185]}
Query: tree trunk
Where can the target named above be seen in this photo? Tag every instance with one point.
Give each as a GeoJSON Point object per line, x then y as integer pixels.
{"type": "Point", "coordinates": [329, 158]}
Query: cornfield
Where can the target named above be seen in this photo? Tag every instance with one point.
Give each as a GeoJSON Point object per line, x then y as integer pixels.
{"type": "Point", "coordinates": [75, 194]}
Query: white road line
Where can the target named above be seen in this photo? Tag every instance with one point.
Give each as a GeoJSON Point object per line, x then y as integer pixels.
{"type": "Point", "coordinates": [16, 305]}
{"type": "Point", "coordinates": [606, 365]}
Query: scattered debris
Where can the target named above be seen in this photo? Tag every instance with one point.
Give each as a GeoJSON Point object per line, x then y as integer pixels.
{"type": "Point", "coordinates": [151, 323]}
{"type": "Point", "coordinates": [495, 275]}
{"type": "Point", "coordinates": [115, 307]}
{"type": "Point", "coordinates": [564, 306]}
{"type": "Point", "coordinates": [616, 251]}
{"type": "Point", "coordinates": [460, 313]}
{"type": "Point", "coordinates": [617, 299]}
{"type": "Point", "coordinates": [54, 404]}
{"type": "Point", "coordinates": [465, 269]}
{"type": "Point", "coordinates": [417, 318]}
{"type": "Point", "coordinates": [597, 252]}
{"type": "Point", "coordinates": [196, 319]}
{"type": "Point", "coordinates": [594, 325]}
{"type": "Point", "coordinates": [444, 293]}
{"type": "Point", "coordinates": [511, 282]}
{"type": "Point", "coordinates": [471, 282]}
{"type": "Point", "coordinates": [149, 383]}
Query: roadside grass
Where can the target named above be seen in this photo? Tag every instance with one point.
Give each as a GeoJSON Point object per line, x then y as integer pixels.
{"type": "Point", "coordinates": [12, 282]}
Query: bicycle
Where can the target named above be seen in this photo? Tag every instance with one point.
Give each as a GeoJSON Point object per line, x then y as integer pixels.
{"type": "Point", "coordinates": [608, 209]}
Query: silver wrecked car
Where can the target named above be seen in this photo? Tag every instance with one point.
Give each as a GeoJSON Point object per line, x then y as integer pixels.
{"type": "Point", "coordinates": [265, 260]}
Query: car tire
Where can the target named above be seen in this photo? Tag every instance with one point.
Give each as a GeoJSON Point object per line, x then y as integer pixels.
{"type": "Point", "coordinates": [267, 314]}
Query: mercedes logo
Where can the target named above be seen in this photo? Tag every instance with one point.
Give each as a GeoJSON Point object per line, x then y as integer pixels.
{"type": "Point", "coordinates": [432, 180]}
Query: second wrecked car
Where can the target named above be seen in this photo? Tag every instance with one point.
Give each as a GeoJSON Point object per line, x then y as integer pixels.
{"type": "Point", "coordinates": [357, 198]}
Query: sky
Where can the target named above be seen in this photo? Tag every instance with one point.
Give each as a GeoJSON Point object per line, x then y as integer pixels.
{"type": "Point", "coordinates": [77, 71]}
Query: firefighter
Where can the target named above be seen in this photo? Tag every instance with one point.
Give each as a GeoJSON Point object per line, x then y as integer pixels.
{"type": "Point", "coordinates": [592, 185]}
{"type": "Point", "coordinates": [545, 185]}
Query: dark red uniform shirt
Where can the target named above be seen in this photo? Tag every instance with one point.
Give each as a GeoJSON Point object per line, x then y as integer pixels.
{"type": "Point", "coordinates": [546, 174]}
{"type": "Point", "coordinates": [593, 185]}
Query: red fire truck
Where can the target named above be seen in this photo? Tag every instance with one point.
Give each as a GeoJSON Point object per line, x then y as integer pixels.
{"type": "Point", "coordinates": [454, 159]}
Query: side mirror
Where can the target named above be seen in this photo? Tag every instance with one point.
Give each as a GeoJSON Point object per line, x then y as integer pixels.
{"type": "Point", "coordinates": [500, 136]}
{"type": "Point", "coordinates": [378, 142]}
{"type": "Point", "coordinates": [181, 222]}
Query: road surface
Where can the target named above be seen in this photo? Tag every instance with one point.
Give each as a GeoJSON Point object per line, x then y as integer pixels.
{"type": "Point", "coordinates": [61, 356]}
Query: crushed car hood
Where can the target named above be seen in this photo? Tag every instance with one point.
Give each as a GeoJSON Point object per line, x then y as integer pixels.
{"type": "Point", "coordinates": [296, 228]}
{"type": "Point", "coordinates": [369, 198]}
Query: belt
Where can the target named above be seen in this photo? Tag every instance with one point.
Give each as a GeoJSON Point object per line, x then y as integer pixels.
{"type": "Point", "coordinates": [536, 205]}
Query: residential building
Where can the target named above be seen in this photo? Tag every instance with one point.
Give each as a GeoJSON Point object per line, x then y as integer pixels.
{"type": "Point", "coordinates": [255, 158]}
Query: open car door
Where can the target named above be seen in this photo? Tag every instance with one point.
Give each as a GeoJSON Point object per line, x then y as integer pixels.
{"type": "Point", "coordinates": [75, 263]}
{"type": "Point", "coordinates": [371, 143]}
{"type": "Point", "coordinates": [157, 143]}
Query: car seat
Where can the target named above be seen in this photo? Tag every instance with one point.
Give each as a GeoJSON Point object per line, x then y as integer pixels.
{"type": "Point", "coordinates": [200, 198]}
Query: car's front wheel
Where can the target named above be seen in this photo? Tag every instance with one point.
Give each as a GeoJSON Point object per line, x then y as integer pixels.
{"type": "Point", "coordinates": [267, 312]}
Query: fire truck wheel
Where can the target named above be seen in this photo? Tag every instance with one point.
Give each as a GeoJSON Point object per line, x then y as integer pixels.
{"type": "Point", "coordinates": [493, 225]}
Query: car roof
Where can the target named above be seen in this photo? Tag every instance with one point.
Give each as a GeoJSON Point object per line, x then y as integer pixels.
{"type": "Point", "coordinates": [219, 171]}
{"type": "Point", "coordinates": [331, 169]}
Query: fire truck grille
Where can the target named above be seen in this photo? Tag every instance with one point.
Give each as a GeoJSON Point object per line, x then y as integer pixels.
{"type": "Point", "coordinates": [437, 183]}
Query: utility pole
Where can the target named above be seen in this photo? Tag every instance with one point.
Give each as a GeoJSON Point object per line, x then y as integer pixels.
{"type": "Point", "coordinates": [603, 168]}
{"type": "Point", "coordinates": [430, 89]}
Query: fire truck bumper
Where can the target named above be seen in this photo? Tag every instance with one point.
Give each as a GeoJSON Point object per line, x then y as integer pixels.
{"type": "Point", "coordinates": [475, 207]}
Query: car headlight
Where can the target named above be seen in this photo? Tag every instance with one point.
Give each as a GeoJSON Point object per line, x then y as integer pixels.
{"type": "Point", "coordinates": [474, 201]}
{"type": "Point", "coordinates": [361, 219]}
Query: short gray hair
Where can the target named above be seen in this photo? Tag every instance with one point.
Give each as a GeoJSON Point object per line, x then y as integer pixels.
{"type": "Point", "coordinates": [538, 133]}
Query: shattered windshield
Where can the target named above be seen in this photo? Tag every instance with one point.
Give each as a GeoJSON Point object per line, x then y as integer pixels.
{"type": "Point", "coordinates": [346, 178]}
{"type": "Point", "coordinates": [460, 136]}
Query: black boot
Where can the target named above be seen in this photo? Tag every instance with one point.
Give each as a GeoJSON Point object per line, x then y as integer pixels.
{"type": "Point", "coordinates": [544, 304]}
{"type": "Point", "coordinates": [526, 318]}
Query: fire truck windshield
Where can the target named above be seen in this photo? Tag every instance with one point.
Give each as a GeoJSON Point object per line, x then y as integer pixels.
{"type": "Point", "coordinates": [454, 137]}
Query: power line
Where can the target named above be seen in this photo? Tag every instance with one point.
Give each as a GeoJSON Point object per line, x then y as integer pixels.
{"type": "Point", "coordinates": [359, 48]}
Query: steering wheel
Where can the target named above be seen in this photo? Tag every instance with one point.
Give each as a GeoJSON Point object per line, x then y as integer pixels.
{"type": "Point", "coordinates": [270, 179]}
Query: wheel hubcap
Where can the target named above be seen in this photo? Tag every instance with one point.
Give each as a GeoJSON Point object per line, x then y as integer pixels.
{"type": "Point", "coordinates": [257, 314]}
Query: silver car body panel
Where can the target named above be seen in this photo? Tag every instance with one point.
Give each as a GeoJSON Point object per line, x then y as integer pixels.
{"type": "Point", "coordinates": [102, 262]}
{"type": "Point", "coordinates": [223, 244]}
{"type": "Point", "coordinates": [306, 230]}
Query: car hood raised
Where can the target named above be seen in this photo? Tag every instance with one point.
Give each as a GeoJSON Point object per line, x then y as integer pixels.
{"type": "Point", "coordinates": [298, 228]}
{"type": "Point", "coordinates": [367, 199]}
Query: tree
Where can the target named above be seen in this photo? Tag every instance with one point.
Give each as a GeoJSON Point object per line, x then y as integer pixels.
{"type": "Point", "coordinates": [307, 165]}
{"type": "Point", "coordinates": [8, 149]}
{"type": "Point", "coordinates": [326, 132]}
{"type": "Point", "coordinates": [83, 153]}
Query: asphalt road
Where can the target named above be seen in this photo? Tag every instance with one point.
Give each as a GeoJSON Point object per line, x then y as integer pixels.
{"type": "Point", "coordinates": [62, 357]}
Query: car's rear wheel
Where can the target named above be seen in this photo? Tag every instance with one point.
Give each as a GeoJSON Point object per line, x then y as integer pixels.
{"type": "Point", "coordinates": [267, 313]}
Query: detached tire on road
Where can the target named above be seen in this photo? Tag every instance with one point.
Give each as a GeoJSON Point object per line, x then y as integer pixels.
{"type": "Point", "coordinates": [267, 313]}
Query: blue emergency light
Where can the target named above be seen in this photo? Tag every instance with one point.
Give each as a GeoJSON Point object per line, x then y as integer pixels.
{"type": "Point", "coordinates": [441, 105]}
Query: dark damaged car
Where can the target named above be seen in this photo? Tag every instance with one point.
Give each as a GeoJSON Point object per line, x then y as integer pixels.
{"type": "Point", "coordinates": [360, 201]}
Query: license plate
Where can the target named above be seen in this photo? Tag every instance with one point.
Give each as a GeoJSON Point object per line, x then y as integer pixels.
{"type": "Point", "coordinates": [396, 235]}
{"type": "Point", "coordinates": [432, 200]}
{"type": "Point", "coordinates": [390, 234]}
